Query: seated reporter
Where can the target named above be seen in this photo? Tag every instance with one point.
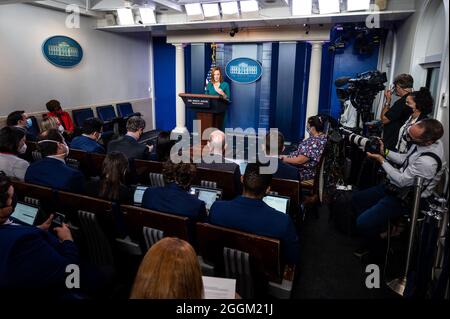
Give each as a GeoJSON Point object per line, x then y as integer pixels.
{"type": "Point", "coordinates": [174, 198]}
{"type": "Point", "coordinates": [52, 171]}
{"type": "Point", "coordinates": [169, 270]}
{"type": "Point", "coordinates": [112, 185]}
{"type": "Point", "coordinates": [128, 144]}
{"type": "Point", "coordinates": [32, 259]}
{"type": "Point", "coordinates": [88, 141]}
{"type": "Point", "coordinates": [12, 144]}
{"type": "Point", "coordinates": [309, 151]}
{"type": "Point", "coordinates": [284, 171]}
{"type": "Point", "coordinates": [376, 205]}
{"type": "Point", "coordinates": [249, 213]}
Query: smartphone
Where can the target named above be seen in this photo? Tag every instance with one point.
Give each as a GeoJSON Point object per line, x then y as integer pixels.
{"type": "Point", "coordinates": [58, 220]}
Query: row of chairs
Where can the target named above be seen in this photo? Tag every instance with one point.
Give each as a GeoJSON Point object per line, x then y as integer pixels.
{"type": "Point", "coordinates": [104, 229]}
{"type": "Point", "coordinates": [106, 113]}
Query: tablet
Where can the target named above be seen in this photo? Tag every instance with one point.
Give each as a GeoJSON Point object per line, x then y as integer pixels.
{"type": "Point", "coordinates": [25, 213]}
{"type": "Point", "coordinates": [280, 203]}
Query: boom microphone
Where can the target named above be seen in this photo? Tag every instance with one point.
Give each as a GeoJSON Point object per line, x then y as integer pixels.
{"type": "Point", "coordinates": [341, 81]}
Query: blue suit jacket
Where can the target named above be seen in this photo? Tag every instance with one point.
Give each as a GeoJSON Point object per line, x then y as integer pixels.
{"type": "Point", "coordinates": [256, 217]}
{"type": "Point", "coordinates": [174, 200]}
{"type": "Point", "coordinates": [32, 259]}
{"type": "Point", "coordinates": [286, 171]}
{"type": "Point", "coordinates": [87, 144]}
{"type": "Point", "coordinates": [53, 173]}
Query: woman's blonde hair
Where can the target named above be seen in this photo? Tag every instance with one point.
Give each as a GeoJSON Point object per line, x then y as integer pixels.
{"type": "Point", "coordinates": [169, 270]}
{"type": "Point", "coordinates": [50, 122]}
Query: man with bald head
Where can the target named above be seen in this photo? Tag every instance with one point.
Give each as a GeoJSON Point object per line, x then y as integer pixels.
{"type": "Point", "coordinates": [376, 205]}
{"type": "Point", "coordinates": [213, 158]}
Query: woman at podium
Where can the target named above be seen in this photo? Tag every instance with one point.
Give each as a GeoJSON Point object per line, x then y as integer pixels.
{"type": "Point", "coordinates": [217, 86]}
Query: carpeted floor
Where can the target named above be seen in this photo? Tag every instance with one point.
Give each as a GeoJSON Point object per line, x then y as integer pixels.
{"type": "Point", "coordinates": [328, 269]}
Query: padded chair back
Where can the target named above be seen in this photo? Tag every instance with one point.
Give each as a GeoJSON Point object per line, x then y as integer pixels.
{"type": "Point", "coordinates": [223, 180]}
{"type": "Point", "coordinates": [99, 248]}
{"type": "Point", "coordinates": [151, 236]}
{"type": "Point", "coordinates": [264, 252]}
{"type": "Point", "coordinates": [136, 218]}
{"type": "Point", "coordinates": [156, 180]}
{"type": "Point", "coordinates": [106, 113]}
{"type": "Point", "coordinates": [124, 109]}
{"type": "Point", "coordinates": [237, 266]}
{"type": "Point", "coordinates": [34, 129]}
{"type": "Point", "coordinates": [208, 184]}
{"type": "Point", "coordinates": [46, 196]}
{"type": "Point", "coordinates": [142, 170]}
{"type": "Point", "coordinates": [80, 115]}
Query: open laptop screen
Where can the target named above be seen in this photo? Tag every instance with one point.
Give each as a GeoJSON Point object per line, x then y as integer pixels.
{"type": "Point", "coordinates": [208, 195]}
{"type": "Point", "coordinates": [25, 213]}
{"type": "Point", "coordinates": [280, 203]}
{"type": "Point", "coordinates": [138, 194]}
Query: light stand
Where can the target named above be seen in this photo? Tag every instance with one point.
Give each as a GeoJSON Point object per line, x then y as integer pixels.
{"type": "Point", "coordinates": [398, 285]}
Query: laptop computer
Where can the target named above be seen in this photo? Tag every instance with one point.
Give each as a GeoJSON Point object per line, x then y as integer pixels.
{"type": "Point", "coordinates": [138, 194]}
{"type": "Point", "coordinates": [206, 194]}
{"type": "Point", "coordinates": [280, 203]}
{"type": "Point", "coordinates": [25, 213]}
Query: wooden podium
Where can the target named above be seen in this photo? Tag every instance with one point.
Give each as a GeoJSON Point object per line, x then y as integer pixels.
{"type": "Point", "coordinates": [209, 108]}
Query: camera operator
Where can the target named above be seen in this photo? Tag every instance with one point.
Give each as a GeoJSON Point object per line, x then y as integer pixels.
{"type": "Point", "coordinates": [394, 117]}
{"type": "Point", "coordinates": [375, 206]}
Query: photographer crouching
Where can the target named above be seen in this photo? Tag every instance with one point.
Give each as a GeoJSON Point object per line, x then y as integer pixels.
{"type": "Point", "coordinates": [375, 206]}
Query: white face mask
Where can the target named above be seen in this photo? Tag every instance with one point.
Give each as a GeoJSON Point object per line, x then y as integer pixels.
{"type": "Point", "coordinates": [61, 129]}
{"type": "Point", "coordinates": [22, 149]}
{"type": "Point", "coordinates": [66, 149]}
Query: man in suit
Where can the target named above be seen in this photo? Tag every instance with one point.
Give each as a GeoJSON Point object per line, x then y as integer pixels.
{"type": "Point", "coordinates": [174, 197]}
{"type": "Point", "coordinates": [32, 258]}
{"type": "Point", "coordinates": [88, 141]}
{"type": "Point", "coordinates": [128, 144]}
{"type": "Point", "coordinates": [250, 214]}
{"type": "Point", "coordinates": [284, 170]}
{"type": "Point", "coordinates": [52, 171]}
{"type": "Point", "coordinates": [20, 120]}
{"type": "Point", "coordinates": [215, 159]}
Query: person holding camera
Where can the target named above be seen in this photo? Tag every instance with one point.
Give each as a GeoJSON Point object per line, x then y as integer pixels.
{"type": "Point", "coordinates": [375, 206]}
{"type": "Point", "coordinates": [393, 117]}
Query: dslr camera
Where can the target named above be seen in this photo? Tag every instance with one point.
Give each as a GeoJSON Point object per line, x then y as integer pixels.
{"type": "Point", "coordinates": [367, 144]}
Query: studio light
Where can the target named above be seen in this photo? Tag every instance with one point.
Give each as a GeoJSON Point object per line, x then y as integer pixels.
{"type": "Point", "coordinates": [147, 15]}
{"type": "Point", "coordinates": [125, 16]}
{"type": "Point", "coordinates": [301, 7]}
{"type": "Point", "coordinates": [329, 6]}
{"type": "Point", "coordinates": [211, 10]}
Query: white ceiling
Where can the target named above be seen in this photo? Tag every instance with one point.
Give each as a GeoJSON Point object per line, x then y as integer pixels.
{"type": "Point", "coordinates": [171, 14]}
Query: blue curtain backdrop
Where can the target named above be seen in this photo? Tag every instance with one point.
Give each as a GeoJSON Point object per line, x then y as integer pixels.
{"type": "Point", "coordinates": [278, 99]}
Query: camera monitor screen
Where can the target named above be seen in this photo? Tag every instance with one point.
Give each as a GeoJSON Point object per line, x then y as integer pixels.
{"type": "Point", "coordinates": [280, 203]}
{"type": "Point", "coordinates": [25, 213]}
{"type": "Point", "coordinates": [138, 194]}
{"type": "Point", "coordinates": [207, 195]}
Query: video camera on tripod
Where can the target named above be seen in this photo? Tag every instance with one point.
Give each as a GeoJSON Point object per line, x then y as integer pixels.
{"type": "Point", "coordinates": [361, 92]}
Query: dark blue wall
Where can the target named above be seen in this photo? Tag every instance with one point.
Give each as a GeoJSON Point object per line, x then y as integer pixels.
{"type": "Point", "coordinates": [278, 99]}
{"type": "Point", "coordinates": [348, 62]}
{"type": "Point", "coordinates": [164, 78]}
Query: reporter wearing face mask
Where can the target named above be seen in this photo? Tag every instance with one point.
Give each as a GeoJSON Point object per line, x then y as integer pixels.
{"type": "Point", "coordinates": [425, 158]}
{"type": "Point", "coordinates": [19, 119]}
{"type": "Point", "coordinates": [52, 171]}
{"type": "Point", "coordinates": [33, 260]}
{"type": "Point", "coordinates": [12, 143]}
{"type": "Point", "coordinates": [88, 141]}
